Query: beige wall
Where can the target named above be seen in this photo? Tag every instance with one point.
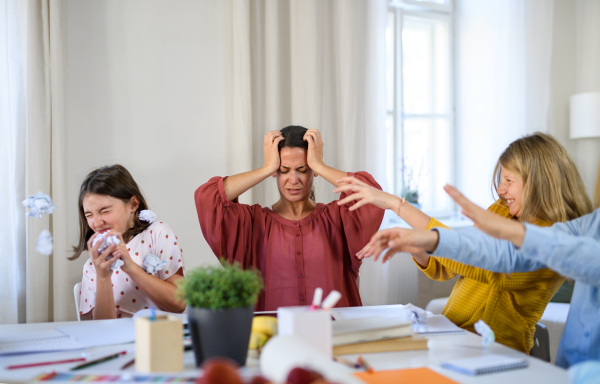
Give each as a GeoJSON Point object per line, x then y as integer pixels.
{"type": "Point", "coordinates": [145, 88]}
{"type": "Point", "coordinates": [574, 69]}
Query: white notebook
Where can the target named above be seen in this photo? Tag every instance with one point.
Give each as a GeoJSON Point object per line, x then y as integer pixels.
{"type": "Point", "coordinates": [485, 364]}
{"type": "Point", "coordinates": [40, 341]}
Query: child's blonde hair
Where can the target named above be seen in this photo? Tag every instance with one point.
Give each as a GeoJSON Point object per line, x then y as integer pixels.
{"type": "Point", "coordinates": [553, 190]}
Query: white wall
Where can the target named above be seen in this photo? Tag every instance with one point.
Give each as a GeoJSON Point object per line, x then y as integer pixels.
{"type": "Point", "coordinates": [574, 69]}
{"type": "Point", "coordinates": [145, 89]}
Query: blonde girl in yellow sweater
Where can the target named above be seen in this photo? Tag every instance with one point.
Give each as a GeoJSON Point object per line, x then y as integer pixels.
{"type": "Point", "coordinates": [537, 182]}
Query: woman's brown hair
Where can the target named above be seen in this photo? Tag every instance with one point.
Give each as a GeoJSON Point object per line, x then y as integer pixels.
{"type": "Point", "coordinates": [553, 190]}
{"type": "Point", "coordinates": [117, 182]}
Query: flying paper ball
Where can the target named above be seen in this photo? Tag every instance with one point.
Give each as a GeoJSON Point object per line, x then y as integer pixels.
{"type": "Point", "coordinates": [44, 243]}
{"type": "Point", "coordinates": [39, 204]}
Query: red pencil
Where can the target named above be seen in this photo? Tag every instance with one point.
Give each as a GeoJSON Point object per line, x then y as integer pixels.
{"type": "Point", "coordinates": [46, 376]}
{"type": "Point", "coordinates": [45, 363]}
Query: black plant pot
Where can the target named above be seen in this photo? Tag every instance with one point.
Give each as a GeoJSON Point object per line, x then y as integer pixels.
{"type": "Point", "coordinates": [220, 333]}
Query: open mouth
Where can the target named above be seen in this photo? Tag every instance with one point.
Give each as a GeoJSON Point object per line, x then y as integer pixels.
{"type": "Point", "coordinates": [509, 202]}
{"type": "Point", "coordinates": [104, 230]}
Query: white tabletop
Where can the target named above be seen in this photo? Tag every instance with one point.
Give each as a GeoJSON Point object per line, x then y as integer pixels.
{"type": "Point", "coordinates": [441, 348]}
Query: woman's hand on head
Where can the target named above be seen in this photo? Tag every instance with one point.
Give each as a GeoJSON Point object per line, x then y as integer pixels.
{"type": "Point", "coordinates": [364, 194]}
{"type": "Point", "coordinates": [399, 240]}
{"type": "Point", "coordinates": [271, 150]}
{"type": "Point", "coordinates": [488, 222]}
{"type": "Point", "coordinates": [101, 265]}
{"type": "Point", "coordinates": [314, 155]}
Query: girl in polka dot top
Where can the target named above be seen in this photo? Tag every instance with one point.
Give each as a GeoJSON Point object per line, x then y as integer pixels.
{"type": "Point", "coordinates": [110, 203]}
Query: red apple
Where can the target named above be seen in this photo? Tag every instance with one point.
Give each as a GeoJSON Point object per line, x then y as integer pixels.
{"type": "Point", "coordinates": [219, 371]}
{"type": "Point", "coordinates": [303, 376]}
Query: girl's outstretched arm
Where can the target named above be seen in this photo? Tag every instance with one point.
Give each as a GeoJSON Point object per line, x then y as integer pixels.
{"type": "Point", "coordinates": [365, 194]}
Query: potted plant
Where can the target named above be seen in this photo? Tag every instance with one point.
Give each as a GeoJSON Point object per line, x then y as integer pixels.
{"type": "Point", "coordinates": [220, 310]}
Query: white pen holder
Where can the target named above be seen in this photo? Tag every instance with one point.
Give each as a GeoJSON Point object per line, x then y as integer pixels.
{"type": "Point", "coordinates": [158, 344]}
{"type": "Point", "coordinates": [313, 327]}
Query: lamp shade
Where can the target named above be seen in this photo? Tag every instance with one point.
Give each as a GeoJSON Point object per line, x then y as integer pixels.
{"type": "Point", "coordinates": [585, 115]}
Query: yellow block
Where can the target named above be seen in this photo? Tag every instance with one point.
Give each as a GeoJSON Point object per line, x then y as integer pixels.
{"type": "Point", "coordinates": [158, 344]}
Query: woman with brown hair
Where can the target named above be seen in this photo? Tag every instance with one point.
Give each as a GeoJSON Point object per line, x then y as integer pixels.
{"type": "Point", "coordinates": [297, 244]}
{"type": "Point", "coordinates": [143, 268]}
{"type": "Point", "coordinates": [537, 182]}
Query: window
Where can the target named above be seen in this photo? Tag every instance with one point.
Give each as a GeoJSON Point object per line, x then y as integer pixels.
{"type": "Point", "coordinates": [420, 111]}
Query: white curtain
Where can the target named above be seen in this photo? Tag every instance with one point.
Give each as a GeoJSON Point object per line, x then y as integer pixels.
{"type": "Point", "coordinates": [319, 64]}
{"type": "Point", "coordinates": [34, 124]}
{"type": "Point", "coordinates": [12, 166]}
{"type": "Point", "coordinates": [503, 63]}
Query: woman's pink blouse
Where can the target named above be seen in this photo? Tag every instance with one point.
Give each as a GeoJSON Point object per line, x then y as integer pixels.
{"type": "Point", "coordinates": [294, 257]}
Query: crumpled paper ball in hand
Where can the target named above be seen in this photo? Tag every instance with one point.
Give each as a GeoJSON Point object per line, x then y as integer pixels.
{"type": "Point", "coordinates": [487, 335]}
{"type": "Point", "coordinates": [147, 215]}
{"type": "Point", "coordinates": [152, 264]}
{"type": "Point", "coordinates": [44, 243]}
{"type": "Point", "coordinates": [107, 241]}
{"type": "Point", "coordinates": [39, 204]}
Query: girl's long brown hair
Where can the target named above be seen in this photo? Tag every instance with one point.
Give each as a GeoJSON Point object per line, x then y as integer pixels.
{"type": "Point", "coordinates": [553, 190]}
{"type": "Point", "coordinates": [114, 181]}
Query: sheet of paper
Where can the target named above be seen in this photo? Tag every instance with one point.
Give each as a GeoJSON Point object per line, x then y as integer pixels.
{"type": "Point", "coordinates": [40, 341]}
{"type": "Point", "coordinates": [99, 333]}
{"type": "Point", "coordinates": [439, 324]}
{"type": "Point", "coordinates": [368, 311]}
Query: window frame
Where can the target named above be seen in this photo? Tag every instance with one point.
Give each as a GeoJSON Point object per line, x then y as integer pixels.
{"type": "Point", "coordinates": [425, 10]}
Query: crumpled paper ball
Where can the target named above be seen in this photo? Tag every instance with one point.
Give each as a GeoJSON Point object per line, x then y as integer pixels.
{"type": "Point", "coordinates": [44, 243]}
{"type": "Point", "coordinates": [152, 264]}
{"type": "Point", "coordinates": [147, 215]}
{"type": "Point", "coordinates": [107, 241]}
{"type": "Point", "coordinates": [39, 204]}
{"type": "Point", "coordinates": [487, 335]}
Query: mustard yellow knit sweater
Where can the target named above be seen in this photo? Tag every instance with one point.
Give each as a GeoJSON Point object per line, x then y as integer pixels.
{"type": "Point", "coordinates": [511, 304]}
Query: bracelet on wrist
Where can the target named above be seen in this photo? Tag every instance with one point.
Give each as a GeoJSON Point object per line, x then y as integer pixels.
{"type": "Point", "coordinates": [400, 206]}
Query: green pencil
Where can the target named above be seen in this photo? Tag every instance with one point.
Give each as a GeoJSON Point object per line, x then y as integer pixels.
{"type": "Point", "coordinates": [98, 361]}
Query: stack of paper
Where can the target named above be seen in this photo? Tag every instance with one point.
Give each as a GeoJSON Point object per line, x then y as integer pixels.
{"type": "Point", "coordinates": [368, 329]}
{"type": "Point", "coordinates": [374, 334]}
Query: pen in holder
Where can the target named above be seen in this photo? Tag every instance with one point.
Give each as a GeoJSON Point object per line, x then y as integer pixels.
{"type": "Point", "coordinates": [158, 344]}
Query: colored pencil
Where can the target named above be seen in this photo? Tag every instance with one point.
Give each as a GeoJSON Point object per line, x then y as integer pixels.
{"type": "Point", "coordinates": [45, 363]}
{"type": "Point", "coordinates": [366, 366]}
{"type": "Point", "coordinates": [128, 364]}
{"type": "Point", "coordinates": [98, 361]}
{"type": "Point", "coordinates": [46, 376]}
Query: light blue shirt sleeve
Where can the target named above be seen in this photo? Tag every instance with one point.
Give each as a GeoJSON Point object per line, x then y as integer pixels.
{"type": "Point", "coordinates": [571, 249]}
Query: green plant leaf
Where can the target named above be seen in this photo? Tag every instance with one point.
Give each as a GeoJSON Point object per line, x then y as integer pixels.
{"type": "Point", "coordinates": [225, 287]}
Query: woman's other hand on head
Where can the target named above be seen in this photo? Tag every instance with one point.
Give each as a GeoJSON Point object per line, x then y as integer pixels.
{"type": "Point", "coordinates": [314, 157]}
{"type": "Point", "coordinates": [364, 194]}
{"type": "Point", "coordinates": [490, 223]}
{"type": "Point", "coordinates": [271, 150]}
